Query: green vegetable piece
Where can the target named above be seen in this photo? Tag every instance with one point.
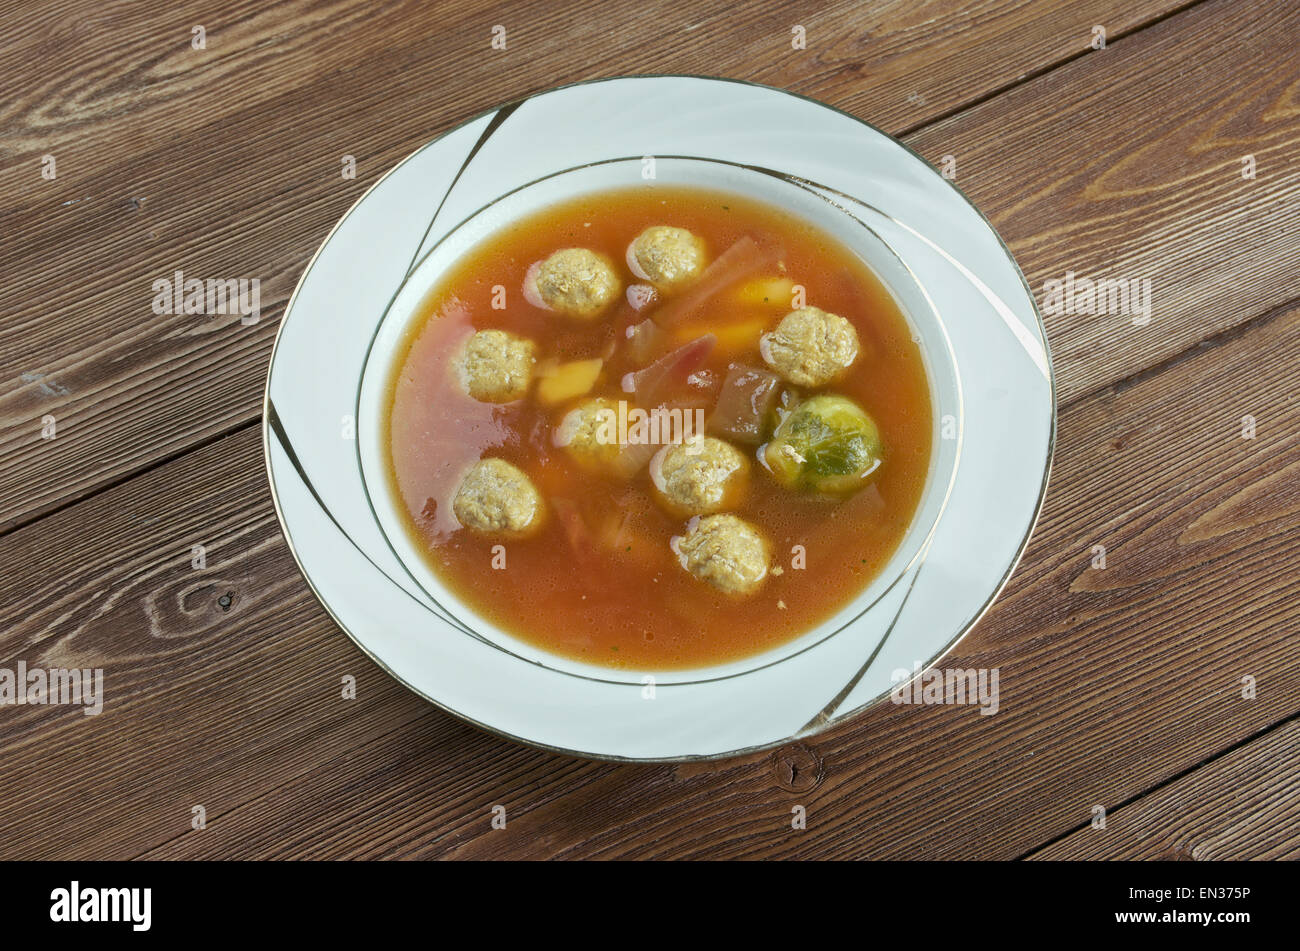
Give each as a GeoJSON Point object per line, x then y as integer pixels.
{"type": "Point", "coordinates": [828, 444]}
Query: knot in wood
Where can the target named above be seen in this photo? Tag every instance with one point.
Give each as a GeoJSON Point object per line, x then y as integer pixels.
{"type": "Point", "coordinates": [797, 768]}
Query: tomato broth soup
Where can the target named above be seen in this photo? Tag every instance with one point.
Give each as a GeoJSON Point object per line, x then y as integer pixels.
{"type": "Point", "coordinates": [792, 453]}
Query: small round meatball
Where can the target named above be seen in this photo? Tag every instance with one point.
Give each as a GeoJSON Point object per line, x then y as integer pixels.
{"type": "Point", "coordinates": [810, 347]}
{"type": "Point", "coordinates": [699, 477]}
{"type": "Point", "coordinates": [725, 551]}
{"type": "Point", "coordinates": [496, 498]}
{"type": "Point", "coordinates": [577, 282]}
{"type": "Point", "coordinates": [496, 367]}
{"type": "Point", "coordinates": [666, 257]}
{"type": "Point", "coordinates": [589, 433]}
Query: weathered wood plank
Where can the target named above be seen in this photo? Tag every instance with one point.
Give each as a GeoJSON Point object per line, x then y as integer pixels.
{"type": "Point", "coordinates": [1111, 680]}
{"type": "Point", "coordinates": [1244, 805]}
{"type": "Point", "coordinates": [1128, 164]}
{"type": "Point", "coordinates": [136, 119]}
{"type": "Point", "coordinates": [110, 84]}
{"type": "Point", "coordinates": [189, 655]}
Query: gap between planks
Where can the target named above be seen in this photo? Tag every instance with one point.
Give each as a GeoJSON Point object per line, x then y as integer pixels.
{"type": "Point", "coordinates": [1042, 71]}
{"type": "Point", "coordinates": [1168, 781]}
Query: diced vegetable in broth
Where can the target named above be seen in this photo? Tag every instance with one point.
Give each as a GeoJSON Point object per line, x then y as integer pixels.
{"type": "Point", "coordinates": [776, 293]}
{"type": "Point", "coordinates": [641, 296]}
{"type": "Point", "coordinates": [646, 341]}
{"type": "Point", "coordinates": [657, 381]}
{"type": "Point", "coordinates": [566, 381]}
{"type": "Point", "coordinates": [745, 404]}
{"type": "Point", "coordinates": [731, 337]}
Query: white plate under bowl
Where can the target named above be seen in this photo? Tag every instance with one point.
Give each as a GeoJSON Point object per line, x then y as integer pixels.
{"type": "Point", "coordinates": [981, 338]}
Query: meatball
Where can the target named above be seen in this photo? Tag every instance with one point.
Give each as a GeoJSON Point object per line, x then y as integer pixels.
{"type": "Point", "coordinates": [810, 347]}
{"type": "Point", "coordinates": [496, 498]}
{"type": "Point", "coordinates": [698, 477]}
{"type": "Point", "coordinates": [577, 282]}
{"type": "Point", "coordinates": [666, 257]}
{"type": "Point", "coordinates": [589, 433]}
{"type": "Point", "coordinates": [725, 551]}
{"type": "Point", "coordinates": [828, 444]}
{"type": "Point", "coordinates": [496, 367]}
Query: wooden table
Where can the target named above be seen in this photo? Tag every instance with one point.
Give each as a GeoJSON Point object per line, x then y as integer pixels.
{"type": "Point", "coordinates": [1122, 687]}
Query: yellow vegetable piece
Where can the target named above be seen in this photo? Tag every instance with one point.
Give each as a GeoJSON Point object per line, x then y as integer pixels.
{"type": "Point", "coordinates": [732, 337]}
{"type": "Point", "coordinates": [564, 381]}
{"type": "Point", "coordinates": [774, 292]}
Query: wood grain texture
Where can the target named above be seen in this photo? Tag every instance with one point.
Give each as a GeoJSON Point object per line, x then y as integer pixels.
{"type": "Point", "coordinates": [1245, 805]}
{"type": "Point", "coordinates": [164, 162]}
{"type": "Point", "coordinates": [1128, 164]}
{"type": "Point", "coordinates": [224, 683]}
{"type": "Point", "coordinates": [1112, 680]}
